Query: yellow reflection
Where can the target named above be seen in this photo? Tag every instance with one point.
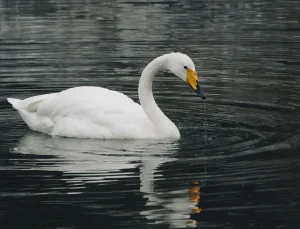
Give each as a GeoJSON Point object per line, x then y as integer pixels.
{"type": "Point", "coordinates": [173, 206]}
{"type": "Point", "coordinates": [194, 196]}
{"type": "Point", "coordinates": [194, 189]}
{"type": "Point", "coordinates": [191, 223]}
{"type": "Point", "coordinates": [196, 210]}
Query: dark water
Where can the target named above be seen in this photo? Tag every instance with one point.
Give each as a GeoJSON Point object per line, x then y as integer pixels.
{"type": "Point", "coordinates": [237, 163]}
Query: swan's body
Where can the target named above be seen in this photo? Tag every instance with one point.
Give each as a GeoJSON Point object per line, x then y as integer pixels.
{"type": "Point", "coordinates": [95, 112]}
{"type": "Point", "coordinates": [86, 112]}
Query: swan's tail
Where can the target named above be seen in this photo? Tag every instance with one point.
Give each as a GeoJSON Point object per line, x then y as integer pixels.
{"type": "Point", "coordinates": [16, 103]}
{"type": "Point", "coordinates": [28, 108]}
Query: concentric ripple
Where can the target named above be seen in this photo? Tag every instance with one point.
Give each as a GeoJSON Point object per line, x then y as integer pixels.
{"type": "Point", "coordinates": [230, 127]}
{"type": "Point", "coordinates": [237, 162]}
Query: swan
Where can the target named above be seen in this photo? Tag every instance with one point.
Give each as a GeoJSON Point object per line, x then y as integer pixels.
{"type": "Point", "coordinates": [96, 112]}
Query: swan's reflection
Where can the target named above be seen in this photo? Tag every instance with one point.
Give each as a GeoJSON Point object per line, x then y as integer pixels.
{"type": "Point", "coordinates": [85, 155]}
{"type": "Point", "coordinates": [171, 207]}
{"type": "Point", "coordinates": [99, 161]}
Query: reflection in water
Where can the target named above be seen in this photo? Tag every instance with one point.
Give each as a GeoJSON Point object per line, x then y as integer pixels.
{"type": "Point", "coordinates": [96, 161]}
{"type": "Point", "coordinates": [174, 207]}
{"type": "Point", "coordinates": [248, 139]}
{"type": "Point", "coordinates": [86, 155]}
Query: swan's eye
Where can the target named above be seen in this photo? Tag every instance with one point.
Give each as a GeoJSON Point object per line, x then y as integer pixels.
{"type": "Point", "coordinates": [185, 67]}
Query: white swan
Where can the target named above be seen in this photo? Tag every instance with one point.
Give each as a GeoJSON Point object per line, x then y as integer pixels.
{"type": "Point", "coordinates": [96, 112]}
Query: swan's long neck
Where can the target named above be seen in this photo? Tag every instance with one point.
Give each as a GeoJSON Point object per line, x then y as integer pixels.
{"type": "Point", "coordinates": [162, 124]}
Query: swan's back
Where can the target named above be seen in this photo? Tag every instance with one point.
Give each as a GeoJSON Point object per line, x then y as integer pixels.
{"type": "Point", "coordinates": [85, 112]}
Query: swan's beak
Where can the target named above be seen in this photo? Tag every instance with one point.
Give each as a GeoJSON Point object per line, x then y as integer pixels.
{"type": "Point", "coordinates": [192, 80]}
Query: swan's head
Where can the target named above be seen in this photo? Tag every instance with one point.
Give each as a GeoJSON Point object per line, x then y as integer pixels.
{"type": "Point", "coordinates": [182, 66]}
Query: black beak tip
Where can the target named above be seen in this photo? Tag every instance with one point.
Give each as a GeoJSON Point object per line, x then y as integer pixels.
{"type": "Point", "coordinates": [200, 94]}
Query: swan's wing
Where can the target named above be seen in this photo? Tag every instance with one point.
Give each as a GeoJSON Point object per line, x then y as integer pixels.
{"type": "Point", "coordinates": [95, 103]}
{"type": "Point", "coordinates": [94, 112]}
{"type": "Point", "coordinates": [29, 104]}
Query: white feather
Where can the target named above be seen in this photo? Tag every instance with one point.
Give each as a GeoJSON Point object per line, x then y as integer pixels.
{"type": "Point", "coordinates": [95, 112]}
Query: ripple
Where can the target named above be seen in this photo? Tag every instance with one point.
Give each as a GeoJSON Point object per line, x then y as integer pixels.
{"type": "Point", "coordinates": [236, 164]}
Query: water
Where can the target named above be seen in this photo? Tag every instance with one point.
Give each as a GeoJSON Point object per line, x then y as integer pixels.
{"type": "Point", "coordinates": [236, 164]}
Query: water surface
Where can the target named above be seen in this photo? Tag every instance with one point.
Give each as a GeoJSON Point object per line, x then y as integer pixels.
{"type": "Point", "coordinates": [236, 164]}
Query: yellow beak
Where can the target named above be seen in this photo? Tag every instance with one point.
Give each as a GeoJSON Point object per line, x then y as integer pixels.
{"type": "Point", "coordinates": [192, 80]}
